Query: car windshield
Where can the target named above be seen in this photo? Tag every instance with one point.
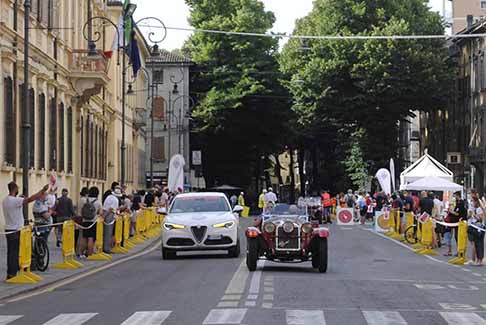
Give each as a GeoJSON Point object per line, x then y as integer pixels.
{"type": "Point", "coordinates": [199, 204]}
{"type": "Point", "coordinates": [288, 210]}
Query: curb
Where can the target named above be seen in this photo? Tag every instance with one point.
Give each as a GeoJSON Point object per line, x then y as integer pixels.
{"type": "Point", "coordinates": [91, 270]}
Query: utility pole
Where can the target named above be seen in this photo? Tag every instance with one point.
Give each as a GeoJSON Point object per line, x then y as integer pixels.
{"type": "Point", "coordinates": [25, 111]}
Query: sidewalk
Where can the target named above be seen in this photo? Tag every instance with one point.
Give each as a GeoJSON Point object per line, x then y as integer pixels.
{"type": "Point", "coordinates": [54, 275]}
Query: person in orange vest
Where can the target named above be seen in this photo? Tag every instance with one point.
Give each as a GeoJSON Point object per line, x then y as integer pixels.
{"type": "Point", "coordinates": [327, 204]}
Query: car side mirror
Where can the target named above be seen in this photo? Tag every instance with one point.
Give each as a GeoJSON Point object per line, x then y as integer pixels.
{"type": "Point", "coordinates": [162, 210]}
{"type": "Point", "coordinates": [238, 209]}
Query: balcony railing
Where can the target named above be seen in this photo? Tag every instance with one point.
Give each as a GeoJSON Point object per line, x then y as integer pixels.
{"type": "Point", "coordinates": [79, 61]}
{"type": "Point", "coordinates": [139, 118]}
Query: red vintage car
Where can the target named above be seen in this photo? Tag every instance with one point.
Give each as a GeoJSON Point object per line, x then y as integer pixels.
{"type": "Point", "coordinates": [286, 235]}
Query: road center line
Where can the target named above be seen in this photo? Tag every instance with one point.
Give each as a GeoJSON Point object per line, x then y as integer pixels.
{"type": "Point", "coordinates": [256, 278]}
{"type": "Point", "coordinates": [238, 282]}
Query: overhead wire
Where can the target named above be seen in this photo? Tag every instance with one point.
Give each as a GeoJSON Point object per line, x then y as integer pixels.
{"type": "Point", "coordinates": [320, 37]}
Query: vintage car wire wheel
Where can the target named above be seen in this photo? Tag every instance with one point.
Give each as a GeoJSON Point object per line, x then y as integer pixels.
{"type": "Point", "coordinates": [252, 254]}
{"type": "Point", "coordinates": [322, 252]}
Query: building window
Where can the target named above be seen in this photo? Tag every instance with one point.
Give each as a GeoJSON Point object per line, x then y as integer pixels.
{"type": "Point", "coordinates": [158, 152]}
{"type": "Point", "coordinates": [159, 108]}
{"type": "Point", "coordinates": [42, 131]}
{"type": "Point", "coordinates": [61, 138]}
{"type": "Point", "coordinates": [483, 5]}
{"type": "Point", "coordinates": [96, 153]}
{"type": "Point", "coordinates": [87, 147]}
{"type": "Point", "coordinates": [32, 127]}
{"type": "Point", "coordinates": [158, 76]}
{"type": "Point", "coordinates": [9, 125]}
{"type": "Point", "coordinates": [52, 135]}
{"type": "Point", "coordinates": [70, 139]}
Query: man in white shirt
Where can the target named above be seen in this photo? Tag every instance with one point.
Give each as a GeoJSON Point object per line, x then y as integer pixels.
{"type": "Point", "coordinates": [270, 198]}
{"type": "Point", "coordinates": [14, 221]}
{"type": "Point", "coordinates": [110, 207]}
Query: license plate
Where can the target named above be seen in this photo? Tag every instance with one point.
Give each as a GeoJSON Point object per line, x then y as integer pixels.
{"type": "Point", "coordinates": [215, 237]}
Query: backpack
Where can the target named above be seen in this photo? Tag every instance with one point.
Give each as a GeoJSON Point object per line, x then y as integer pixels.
{"type": "Point", "coordinates": [349, 201]}
{"type": "Point", "coordinates": [89, 210]}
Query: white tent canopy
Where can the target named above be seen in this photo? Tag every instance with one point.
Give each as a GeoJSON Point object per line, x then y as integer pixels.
{"type": "Point", "coordinates": [433, 183]}
{"type": "Point", "coordinates": [426, 166]}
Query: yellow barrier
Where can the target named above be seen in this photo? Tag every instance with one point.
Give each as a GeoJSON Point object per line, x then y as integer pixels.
{"type": "Point", "coordinates": [68, 263]}
{"type": "Point", "coordinates": [391, 224]}
{"type": "Point", "coordinates": [410, 221]}
{"type": "Point", "coordinates": [461, 244]}
{"type": "Point", "coordinates": [127, 243]}
{"type": "Point", "coordinates": [117, 248]}
{"type": "Point", "coordinates": [396, 234]}
{"type": "Point", "coordinates": [25, 256]}
{"type": "Point", "coordinates": [427, 239]}
{"type": "Point", "coordinates": [99, 255]}
{"type": "Point", "coordinates": [139, 229]}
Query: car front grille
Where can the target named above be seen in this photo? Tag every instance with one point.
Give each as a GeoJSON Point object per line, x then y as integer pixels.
{"type": "Point", "coordinates": [180, 242]}
{"type": "Point", "coordinates": [199, 232]}
{"type": "Point", "coordinates": [288, 241]}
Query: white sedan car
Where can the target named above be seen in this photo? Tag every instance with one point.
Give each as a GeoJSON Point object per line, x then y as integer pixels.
{"type": "Point", "coordinates": [201, 221]}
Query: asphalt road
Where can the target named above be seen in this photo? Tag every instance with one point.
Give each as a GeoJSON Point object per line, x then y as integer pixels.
{"type": "Point", "coordinates": [371, 280]}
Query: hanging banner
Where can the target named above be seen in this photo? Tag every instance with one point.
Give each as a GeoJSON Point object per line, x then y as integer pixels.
{"type": "Point", "coordinates": [381, 222]}
{"type": "Point", "coordinates": [392, 173]}
{"type": "Point", "coordinates": [176, 174]}
{"type": "Point", "coordinates": [344, 217]}
{"type": "Point", "coordinates": [384, 178]}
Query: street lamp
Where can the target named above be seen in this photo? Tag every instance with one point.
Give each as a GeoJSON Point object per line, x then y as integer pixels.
{"type": "Point", "coordinates": [180, 118]}
{"type": "Point", "coordinates": [25, 111]}
{"type": "Point", "coordinates": [93, 53]}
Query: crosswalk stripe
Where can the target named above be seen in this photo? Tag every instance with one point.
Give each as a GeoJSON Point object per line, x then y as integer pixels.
{"type": "Point", "coordinates": [147, 318]}
{"type": "Point", "coordinates": [305, 317]}
{"type": "Point", "coordinates": [454, 318]}
{"type": "Point", "coordinates": [225, 316]}
{"type": "Point", "coordinates": [384, 318]}
{"type": "Point", "coordinates": [71, 319]}
{"type": "Point", "coordinates": [4, 320]}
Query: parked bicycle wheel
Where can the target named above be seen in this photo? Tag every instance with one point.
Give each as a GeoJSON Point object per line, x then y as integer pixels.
{"type": "Point", "coordinates": [41, 254]}
{"type": "Point", "coordinates": [411, 235]}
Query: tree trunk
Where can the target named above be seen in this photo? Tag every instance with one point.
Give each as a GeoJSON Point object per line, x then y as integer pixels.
{"type": "Point", "coordinates": [301, 153]}
{"type": "Point", "coordinates": [292, 175]}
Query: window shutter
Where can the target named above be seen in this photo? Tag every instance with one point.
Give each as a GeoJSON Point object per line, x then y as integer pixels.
{"type": "Point", "coordinates": [21, 117]}
{"type": "Point", "coordinates": [52, 135]}
{"type": "Point", "coordinates": [32, 127]}
{"type": "Point", "coordinates": [61, 138]}
{"type": "Point", "coordinates": [69, 135]}
{"type": "Point", "coordinates": [42, 131]}
{"type": "Point", "coordinates": [9, 125]}
{"type": "Point", "coordinates": [158, 153]}
{"type": "Point", "coordinates": [159, 108]}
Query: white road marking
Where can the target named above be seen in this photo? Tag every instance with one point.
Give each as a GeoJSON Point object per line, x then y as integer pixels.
{"type": "Point", "coordinates": [429, 286]}
{"type": "Point", "coordinates": [268, 297]}
{"type": "Point", "coordinates": [256, 277]}
{"type": "Point", "coordinates": [231, 297]}
{"type": "Point", "coordinates": [384, 318]}
{"type": "Point", "coordinates": [466, 287]}
{"type": "Point", "coordinates": [147, 318]}
{"type": "Point", "coordinates": [467, 270]}
{"type": "Point", "coordinates": [250, 303]}
{"type": "Point", "coordinates": [71, 319]}
{"type": "Point", "coordinates": [252, 297]}
{"type": "Point", "coordinates": [477, 274]}
{"type": "Point", "coordinates": [267, 305]}
{"type": "Point", "coordinates": [225, 316]}
{"type": "Point", "coordinates": [454, 306]}
{"type": "Point", "coordinates": [268, 289]}
{"type": "Point", "coordinates": [4, 320]}
{"type": "Point", "coordinates": [238, 282]}
{"type": "Point", "coordinates": [223, 304]}
{"type": "Point", "coordinates": [305, 317]}
{"type": "Point", "coordinates": [463, 318]}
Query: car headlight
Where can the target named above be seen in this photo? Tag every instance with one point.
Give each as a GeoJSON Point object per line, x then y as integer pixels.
{"type": "Point", "coordinates": [227, 224]}
{"type": "Point", "coordinates": [269, 227]}
{"type": "Point", "coordinates": [288, 226]}
{"type": "Point", "coordinates": [172, 226]}
{"type": "Point", "coordinates": [307, 228]}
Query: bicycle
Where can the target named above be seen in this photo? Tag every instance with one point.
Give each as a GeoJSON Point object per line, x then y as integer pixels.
{"type": "Point", "coordinates": [40, 249]}
{"type": "Point", "coordinates": [410, 232]}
